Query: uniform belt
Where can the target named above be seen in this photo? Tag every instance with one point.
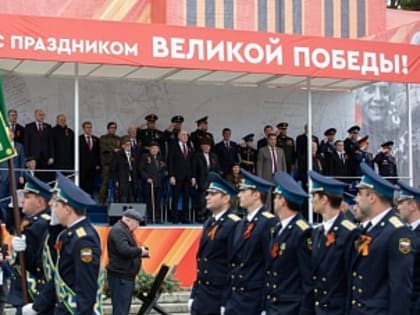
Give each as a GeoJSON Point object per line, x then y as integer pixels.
{"type": "Point", "coordinates": [248, 162]}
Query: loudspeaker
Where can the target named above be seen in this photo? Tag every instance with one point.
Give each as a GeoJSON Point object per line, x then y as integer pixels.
{"type": "Point", "coordinates": [116, 210]}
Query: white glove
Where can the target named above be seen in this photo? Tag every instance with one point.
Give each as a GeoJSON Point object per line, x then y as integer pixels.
{"type": "Point", "coordinates": [263, 313]}
{"type": "Point", "coordinates": [28, 310]}
{"type": "Point", "coordinates": [222, 310]}
{"type": "Point", "coordinates": [190, 302]}
{"type": "Point", "coordinates": [19, 243]}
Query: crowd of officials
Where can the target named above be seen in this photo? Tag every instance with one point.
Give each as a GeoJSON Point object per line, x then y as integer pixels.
{"type": "Point", "coordinates": [168, 169]}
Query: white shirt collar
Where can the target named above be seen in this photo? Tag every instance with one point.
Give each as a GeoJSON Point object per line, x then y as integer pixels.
{"type": "Point", "coordinates": [285, 223]}
{"type": "Point", "coordinates": [219, 215]}
{"type": "Point", "coordinates": [415, 224]}
{"type": "Point", "coordinates": [250, 216]}
{"type": "Point", "coordinates": [329, 223]}
{"type": "Point", "coordinates": [378, 218]}
{"type": "Point", "coordinates": [77, 221]}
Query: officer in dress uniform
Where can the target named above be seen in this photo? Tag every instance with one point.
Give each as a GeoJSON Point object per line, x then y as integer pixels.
{"type": "Point", "coordinates": [352, 149]}
{"type": "Point", "coordinates": [150, 134]}
{"type": "Point", "coordinates": [247, 154]}
{"type": "Point", "coordinates": [327, 150]}
{"type": "Point", "coordinates": [34, 230]}
{"type": "Point", "coordinates": [77, 277]}
{"type": "Point", "coordinates": [210, 288]}
{"type": "Point", "coordinates": [250, 244]}
{"type": "Point", "coordinates": [365, 155]}
{"type": "Point", "coordinates": [387, 165]}
{"type": "Point", "coordinates": [333, 241]}
{"type": "Point", "coordinates": [201, 133]}
{"type": "Point", "coordinates": [382, 265]}
{"type": "Point", "coordinates": [289, 272]}
{"type": "Point", "coordinates": [409, 209]}
{"type": "Point", "coordinates": [287, 144]}
{"type": "Point", "coordinates": [171, 134]}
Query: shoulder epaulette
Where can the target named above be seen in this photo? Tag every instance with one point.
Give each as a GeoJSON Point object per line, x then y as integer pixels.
{"type": "Point", "coordinates": [46, 216]}
{"type": "Point", "coordinates": [348, 225]}
{"type": "Point", "coordinates": [233, 217]}
{"type": "Point", "coordinates": [268, 215]}
{"type": "Point", "coordinates": [80, 232]}
{"type": "Point", "coordinates": [302, 224]}
{"type": "Point", "coordinates": [395, 221]}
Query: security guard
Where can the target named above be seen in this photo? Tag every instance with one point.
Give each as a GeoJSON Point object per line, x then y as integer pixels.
{"type": "Point", "coordinates": [77, 277]}
{"type": "Point", "coordinates": [209, 290]}
{"type": "Point", "coordinates": [381, 272]}
{"type": "Point", "coordinates": [409, 209]}
{"type": "Point", "coordinates": [287, 144]}
{"type": "Point", "coordinates": [150, 134]}
{"type": "Point", "coordinates": [201, 133]}
{"type": "Point", "coordinates": [250, 244]}
{"type": "Point", "coordinates": [333, 241]}
{"type": "Point", "coordinates": [289, 273]}
{"type": "Point", "coordinates": [247, 154]}
{"type": "Point", "coordinates": [387, 165]}
{"type": "Point", "coordinates": [34, 230]}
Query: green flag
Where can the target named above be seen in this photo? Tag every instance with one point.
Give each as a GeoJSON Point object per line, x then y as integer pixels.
{"type": "Point", "coordinates": [7, 151]}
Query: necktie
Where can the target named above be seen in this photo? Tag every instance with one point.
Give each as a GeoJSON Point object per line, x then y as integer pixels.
{"type": "Point", "coordinates": [13, 127]}
{"type": "Point", "coordinates": [185, 150]}
{"type": "Point", "coordinates": [367, 227]}
{"type": "Point", "coordinates": [40, 127]}
{"type": "Point", "coordinates": [227, 145]}
{"type": "Point", "coordinates": [156, 162]}
{"type": "Point", "coordinates": [133, 143]}
{"type": "Point", "coordinates": [274, 160]}
{"type": "Point", "coordinates": [89, 141]}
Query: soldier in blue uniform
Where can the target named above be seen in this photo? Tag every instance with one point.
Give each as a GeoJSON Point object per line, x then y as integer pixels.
{"type": "Point", "coordinates": [77, 277]}
{"type": "Point", "coordinates": [387, 165]}
{"type": "Point", "coordinates": [332, 245]}
{"type": "Point", "coordinates": [34, 230]}
{"type": "Point", "coordinates": [209, 290]}
{"type": "Point", "coordinates": [250, 244]}
{"type": "Point", "coordinates": [247, 154]}
{"type": "Point", "coordinates": [381, 269]}
{"type": "Point", "coordinates": [289, 273]}
{"type": "Point", "coordinates": [409, 209]}
{"type": "Point", "coordinates": [150, 134]}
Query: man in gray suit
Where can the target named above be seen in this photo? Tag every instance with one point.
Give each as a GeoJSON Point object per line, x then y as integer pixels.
{"type": "Point", "coordinates": [271, 159]}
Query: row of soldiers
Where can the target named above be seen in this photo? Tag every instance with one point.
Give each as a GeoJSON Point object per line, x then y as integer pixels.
{"type": "Point", "coordinates": [279, 264]}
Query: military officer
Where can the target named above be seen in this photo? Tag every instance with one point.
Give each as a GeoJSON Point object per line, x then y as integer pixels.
{"type": "Point", "coordinates": [247, 154]}
{"type": "Point", "coordinates": [171, 134]}
{"type": "Point", "coordinates": [210, 287]}
{"type": "Point", "coordinates": [352, 149]}
{"type": "Point", "coordinates": [108, 145]}
{"type": "Point", "coordinates": [333, 241]}
{"type": "Point", "coordinates": [287, 144]}
{"type": "Point", "coordinates": [250, 244]}
{"type": "Point", "coordinates": [409, 209]}
{"type": "Point", "coordinates": [365, 155]}
{"type": "Point", "coordinates": [289, 272]}
{"type": "Point", "coordinates": [201, 133]}
{"type": "Point", "coordinates": [327, 149]}
{"type": "Point", "coordinates": [77, 278]}
{"type": "Point", "coordinates": [150, 134]}
{"type": "Point", "coordinates": [387, 165]}
{"type": "Point", "coordinates": [381, 270]}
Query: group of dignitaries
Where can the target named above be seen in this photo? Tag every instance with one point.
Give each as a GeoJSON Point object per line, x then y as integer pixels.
{"type": "Point", "coordinates": [279, 264]}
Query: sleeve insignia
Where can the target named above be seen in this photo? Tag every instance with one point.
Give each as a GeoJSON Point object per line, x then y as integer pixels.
{"type": "Point", "coordinates": [46, 216]}
{"type": "Point", "coordinates": [233, 217]}
{"type": "Point", "coordinates": [348, 225]}
{"type": "Point", "coordinates": [395, 221]}
{"type": "Point", "coordinates": [80, 232]}
{"type": "Point", "coordinates": [302, 224]}
{"type": "Point", "coordinates": [404, 245]}
{"type": "Point", "coordinates": [86, 255]}
{"type": "Point", "coordinates": [268, 215]}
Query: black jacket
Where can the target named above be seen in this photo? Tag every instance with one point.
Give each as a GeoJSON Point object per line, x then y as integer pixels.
{"type": "Point", "coordinates": [123, 252]}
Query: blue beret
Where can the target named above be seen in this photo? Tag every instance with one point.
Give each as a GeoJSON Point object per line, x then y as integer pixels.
{"type": "Point", "coordinates": [289, 189]}
{"type": "Point", "coordinates": [326, 184]}
{"type": "Point", "coordinates": [349, 198]}
{"type": "Point", "coordinates": [218, 184]}
{"type": "Point", "coordinates": [72, 195]}
{"type": "Point", "coordinates": [408, 192]}
{"type": "Point", "coordinates": [37, 186]}
{"type": "Point", "coordinates": [373, 181]}
{"type": "Point", "coordinates": [251, 181]}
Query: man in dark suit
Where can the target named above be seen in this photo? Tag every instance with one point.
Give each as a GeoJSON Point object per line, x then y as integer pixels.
{"type": "Point", "coordinates": [123, 172]}
{"type": "Point", "coordinates": [332, 245]}
{"type": "Point", "coordinates": [289, 272]}
{"type": "Point", "coordinates": [386, 246]}
{"type": "Point", "coordinates": [263, 141]}
{"type": "Point", "coordinates": [209, 291]}
{"type": "Point", "coordinates": [89, 159]}
{"type": "Point", "coordinates": [227, 152]}
{"type": "Point", "coordinates": [271, 159]}
{"type": "Point", "coordinates": [63, 141]}
{"type": "Point", "coordinates": [409, 209]}
{"type": "Point", "coordinates": [18, 129]}
{"type": "Point", "coordinates": [180, 175]}
{"type": "Point", "coordinates": [250, 244]}
{"type": "Point", "coordinates": [151, 169]}
{"type": "Point", "coordinates": [338, 161]}
{"type": "Point", "coordinates": [38, 142]}
{"type": "Point", "coordinates": [203, 162]}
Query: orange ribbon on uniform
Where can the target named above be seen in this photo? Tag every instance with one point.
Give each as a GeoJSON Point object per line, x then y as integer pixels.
{"type": "Point", "coordinates": [275, 250]}
{"type": "Point", "coordinates": [212, 233]}
{"type": "Point", "coordinates": [330, 239]}
{"type": "Point", "coordinates": [363, 248]}
{"type": "Point", "coordinates": [248, 230]}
